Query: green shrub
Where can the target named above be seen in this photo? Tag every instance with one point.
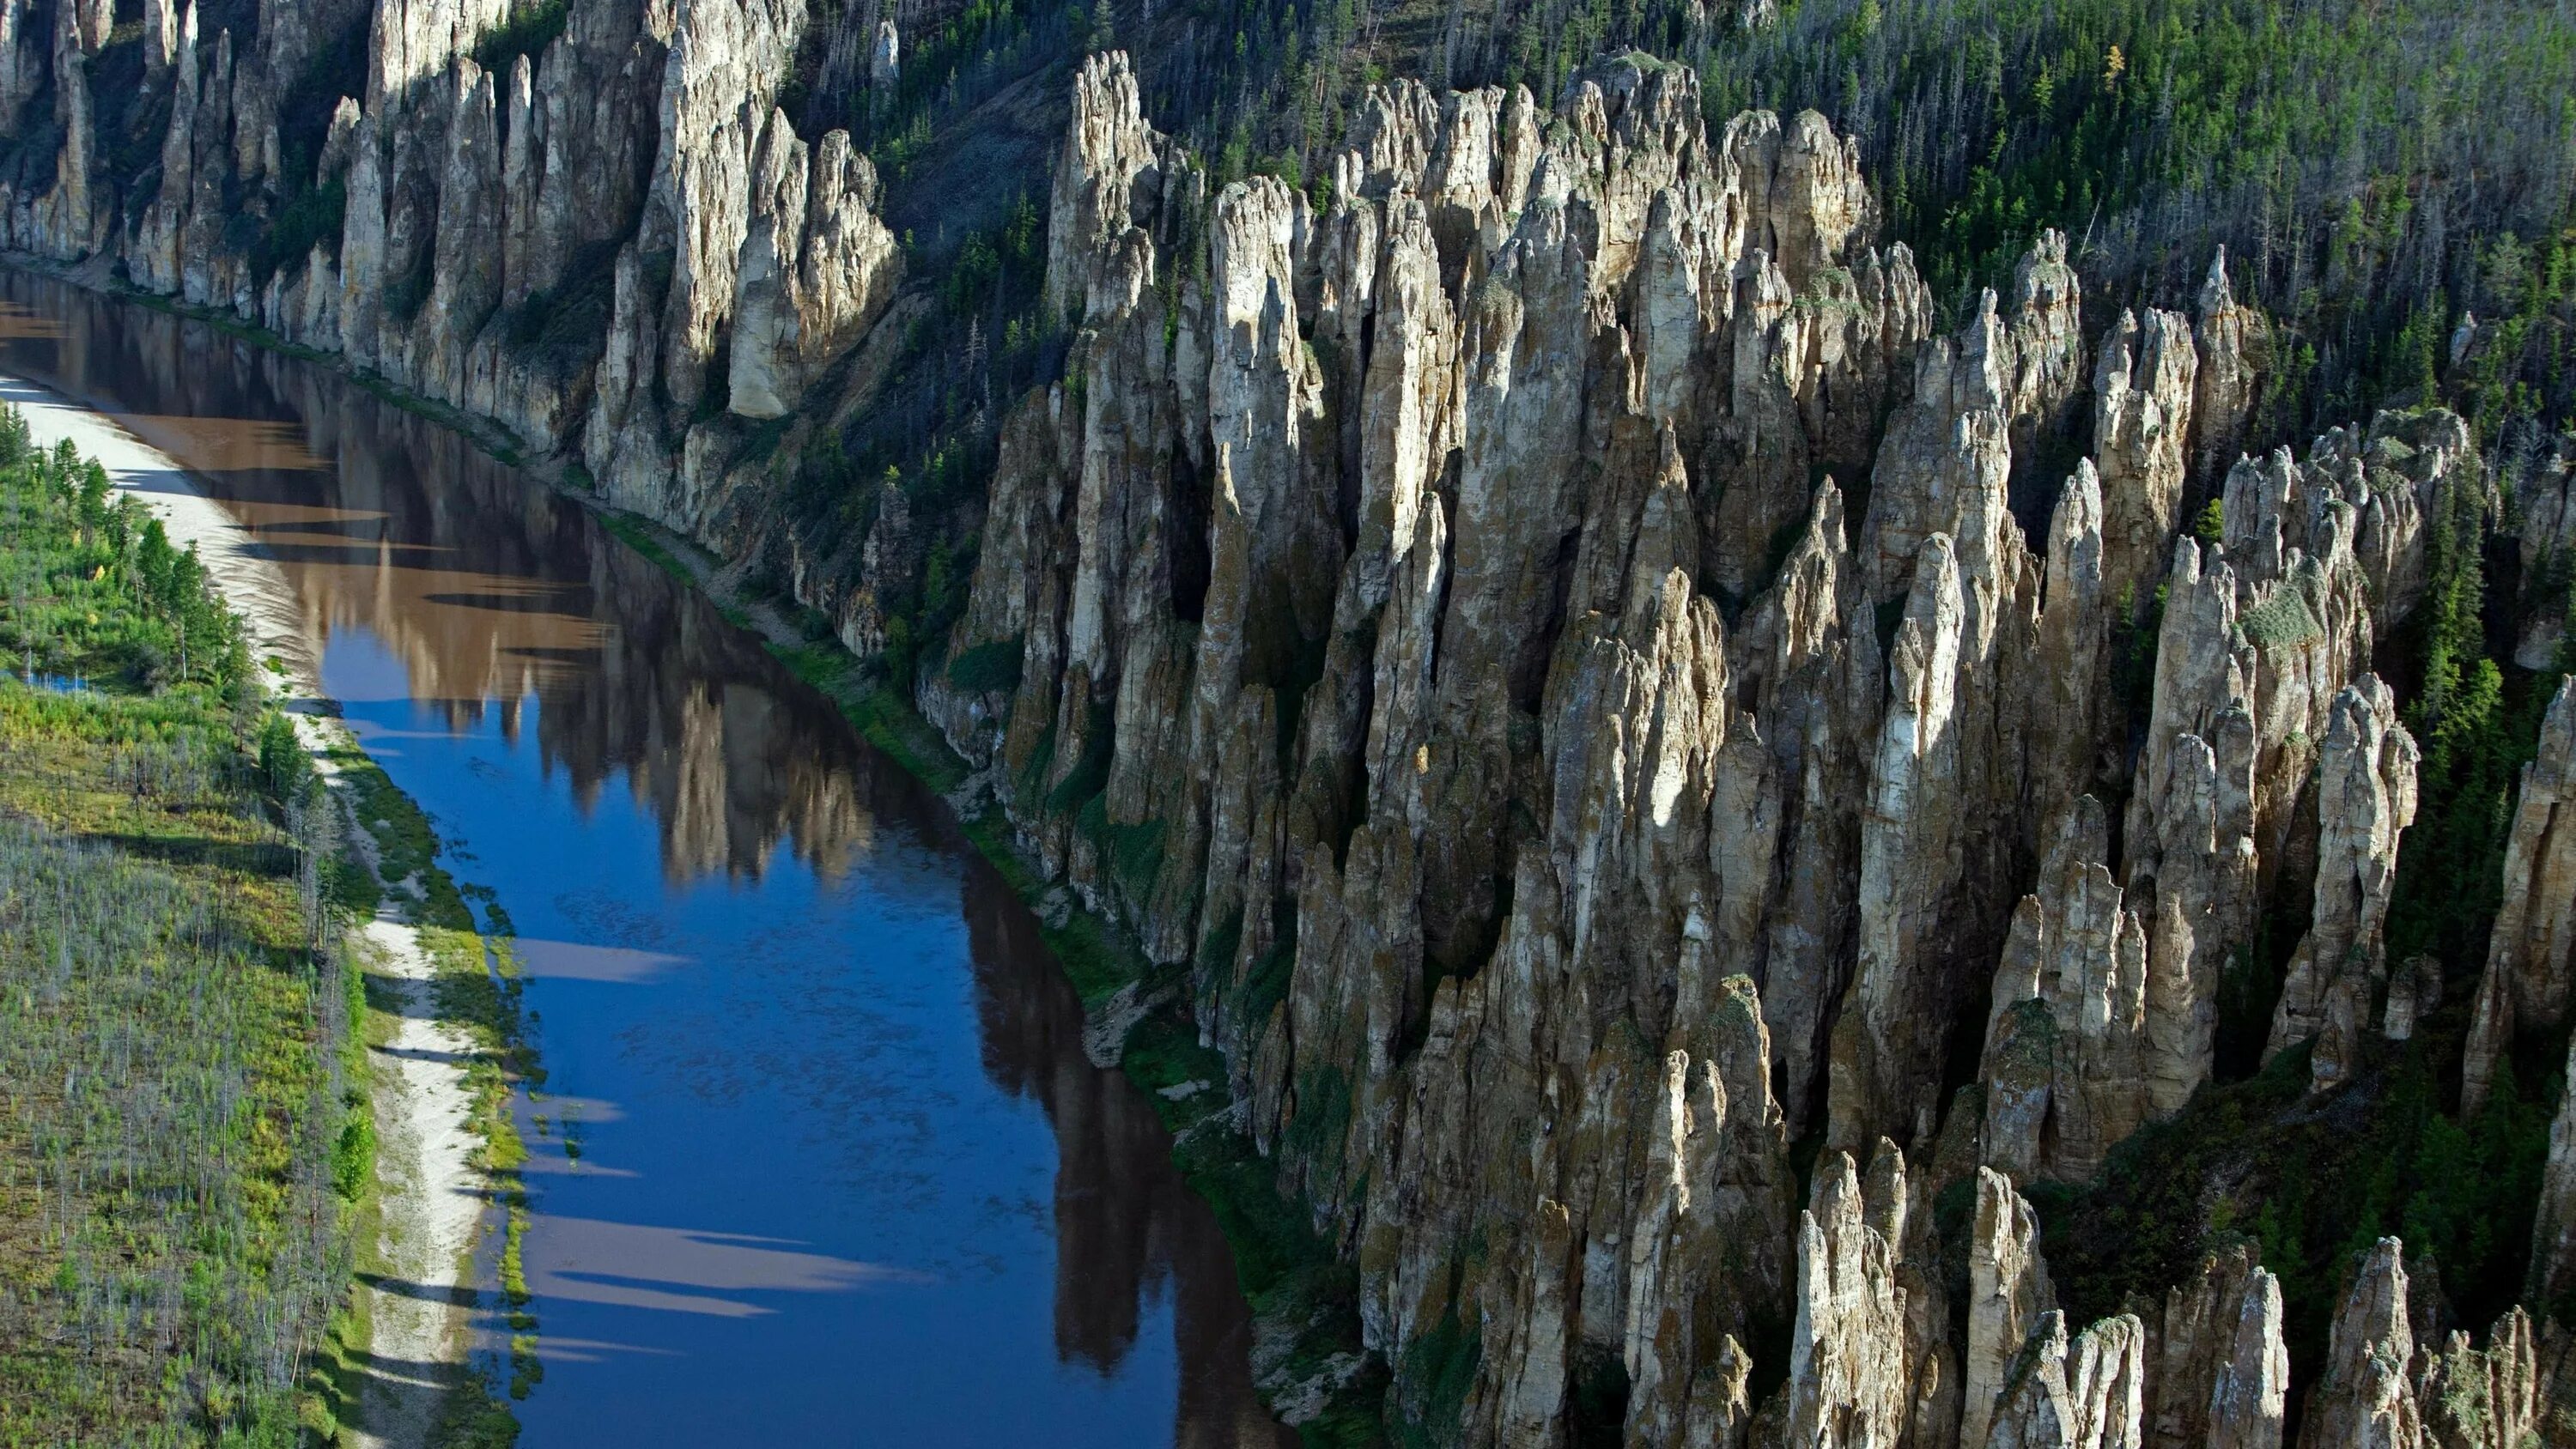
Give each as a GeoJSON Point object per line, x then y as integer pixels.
{"type": "Point", "coordinates": [2280, 622]}
{"type": "Point", "coordinates": [526, 33]}
{"type": "Point", "coordinates": [2211, 526]}
{"type": "Point", "coordinates": [992, 667]}
{"type": "Point", "coordinates": [285, 770]}
{"type": "Point", "coordinates": [353, 1156]}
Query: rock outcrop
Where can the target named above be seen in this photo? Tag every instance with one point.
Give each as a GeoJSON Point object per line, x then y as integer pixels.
{"type": "Point", "coordinates": [2486, 1398]}
{"type": "Point", "coordinates": [2553, 1232]}
{"type": "Point", "coordinates": [1672, 810]}
{"type": "Point", "coordinates": [2380, 1386]}
{"type": "Point", "coordinates": [2142, 401]}
{"type": "Point", "coordinates": [817, 268]}
{"type": "Point", "coordinates": [68, 220]}
{"type": "Point", "coordinates": [1424, 614]}
{"type": "Point", "coordinates": [2261, 633]}
{"type": "Point", "coordinates": [2008, 1296]}
{"type": "Point", "coordinates": [1849, 1387]}
{"type": "Point", "coordinates": [638, 160]}
{"type": "Point", "coordinates": [1722, 1225]}
{"type": "Point", "coordinates": [2366, 1398]}
{"type": "Point", "coordinates": [2233, 347]}
{"type": "Point", "coordinates": [2365, 801]}
{"type": "Point", "coordinates": [2529, 970]}
{"type": "Point", "coordinates": [1462, 277]}
{"type": "Point", "coordinates": [2544, 486]}
{"type": "Point", "coordinates": [2222, 1375]}
{"type": "Point", "coordinates": [2063, 1396]}
{"type": "Point", "coordinates": [2066, 1048]}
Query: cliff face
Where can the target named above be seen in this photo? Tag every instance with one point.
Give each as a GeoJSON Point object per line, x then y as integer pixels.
{"type": "Point", "coordinates": [616, 247]}
{"type": "Point", "coordinates": [1562, 797]}
{"type": "Point", "coordinates": [1584, 680]}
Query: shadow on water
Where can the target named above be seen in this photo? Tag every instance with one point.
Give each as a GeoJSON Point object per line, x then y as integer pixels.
{"type": "Point", "coordinates": [820, 1158]}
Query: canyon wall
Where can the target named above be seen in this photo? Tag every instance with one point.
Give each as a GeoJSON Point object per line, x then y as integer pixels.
{"type": "Point", "coordinates": [1477, 624]}
{"type": "Point", "coordinates": [617, 247]}
{"type": "Point", "coordinates": [1639, 759]}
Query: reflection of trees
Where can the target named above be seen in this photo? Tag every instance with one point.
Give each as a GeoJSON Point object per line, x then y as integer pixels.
{"type": "Point", "coordinates": [484, 589]}
{"type": "Point", "coordinates": [1126, 1225]}
{"type": "Point", "coordinates": [488, 591]}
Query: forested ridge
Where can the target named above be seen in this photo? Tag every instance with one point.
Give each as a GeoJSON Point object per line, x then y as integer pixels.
{"type": "Point", "coordinates": [2394, 185]}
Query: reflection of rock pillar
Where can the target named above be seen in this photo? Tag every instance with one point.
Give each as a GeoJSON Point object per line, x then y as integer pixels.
{"type": "Point", "coordinates": [1123, 1219]}
{"type": "Point", "coordinates": [1104, 1218]}
{"type": "Point", "coordinates": [694, 818]}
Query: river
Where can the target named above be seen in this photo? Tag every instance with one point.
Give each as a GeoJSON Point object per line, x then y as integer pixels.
{"type": "Point", "coordinates": [842, 1173]}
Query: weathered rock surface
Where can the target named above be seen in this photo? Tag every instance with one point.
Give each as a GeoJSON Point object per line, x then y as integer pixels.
{"type": "Point", "coordinates": [2543, 480]}
{"type": "Point", "coordinates": [69, 219]}
{"type": "Point", "coordinates": [479, 209]}
{"type": "Point", "coordinates": [1662, 812]}
{"type": "Point", "coordinates": [1848, 1381]}
{"type": "Point", "coordinates": [1424, 613]}
{"type": "Point", "coordinates": [817, 268]}
{"type": "Point", "coordinates": [1721, 1231]}
{"type": "Point", "coordinates": [2366, 1398]}
{"type": "Point", "coordinates": [2260, 634]}
{"type": "Point", "coordinates": [2142, 401]}
{"type": "Point", "coordinates": [2063, 1396]}
{"type": "Point", "coordinates": [2528, 970]}
{"type": "Point", "coordinates": [2487, 1398]}
{"type": "Point", "coordinates": [1479, 285]}
{"type": "Point", "coordinates": [2553, 1233]}
{"type": "Point", "coordinates": [2222, 1375]}
{"type": "Point", "coordinates": [2365, 801]}
{"type": "Point", "coordinates": [2233, 348]}
{"type": "Point", "coordinates": [2008, 1296]}
{"type": "Point", "coordinates": [2066, 1048]}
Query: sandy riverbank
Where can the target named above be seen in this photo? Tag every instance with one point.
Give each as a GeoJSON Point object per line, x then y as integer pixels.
{"type": "Point", "coordinates": [431, 1194]}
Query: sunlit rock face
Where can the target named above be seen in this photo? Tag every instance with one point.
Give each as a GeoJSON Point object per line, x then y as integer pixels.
{"type": "Point", "coordinates": [584, 247]}
{"type": "Point", "coordinates": [1585, 678]}
{"type": "Point", "coordinates": [1560, 799]}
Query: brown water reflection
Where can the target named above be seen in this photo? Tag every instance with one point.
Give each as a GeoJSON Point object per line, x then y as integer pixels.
{"type": "Point", "coordinates": [490, 607]}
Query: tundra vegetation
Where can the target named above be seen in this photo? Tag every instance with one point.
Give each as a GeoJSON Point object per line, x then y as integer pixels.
{"type": "Point", "coordinates": [187, 1148]}
{"type": "Point", "coordinates": [184, 1137]}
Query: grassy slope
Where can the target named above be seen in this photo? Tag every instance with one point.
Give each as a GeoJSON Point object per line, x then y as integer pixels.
{"type": "Point", "coordinates": [186, 1152]}
{"type": "Point", "coordinates": [176, 1060]}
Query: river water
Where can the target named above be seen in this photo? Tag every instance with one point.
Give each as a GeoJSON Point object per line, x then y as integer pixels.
{"type": "Point", "coordinates": [839, 1172]}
